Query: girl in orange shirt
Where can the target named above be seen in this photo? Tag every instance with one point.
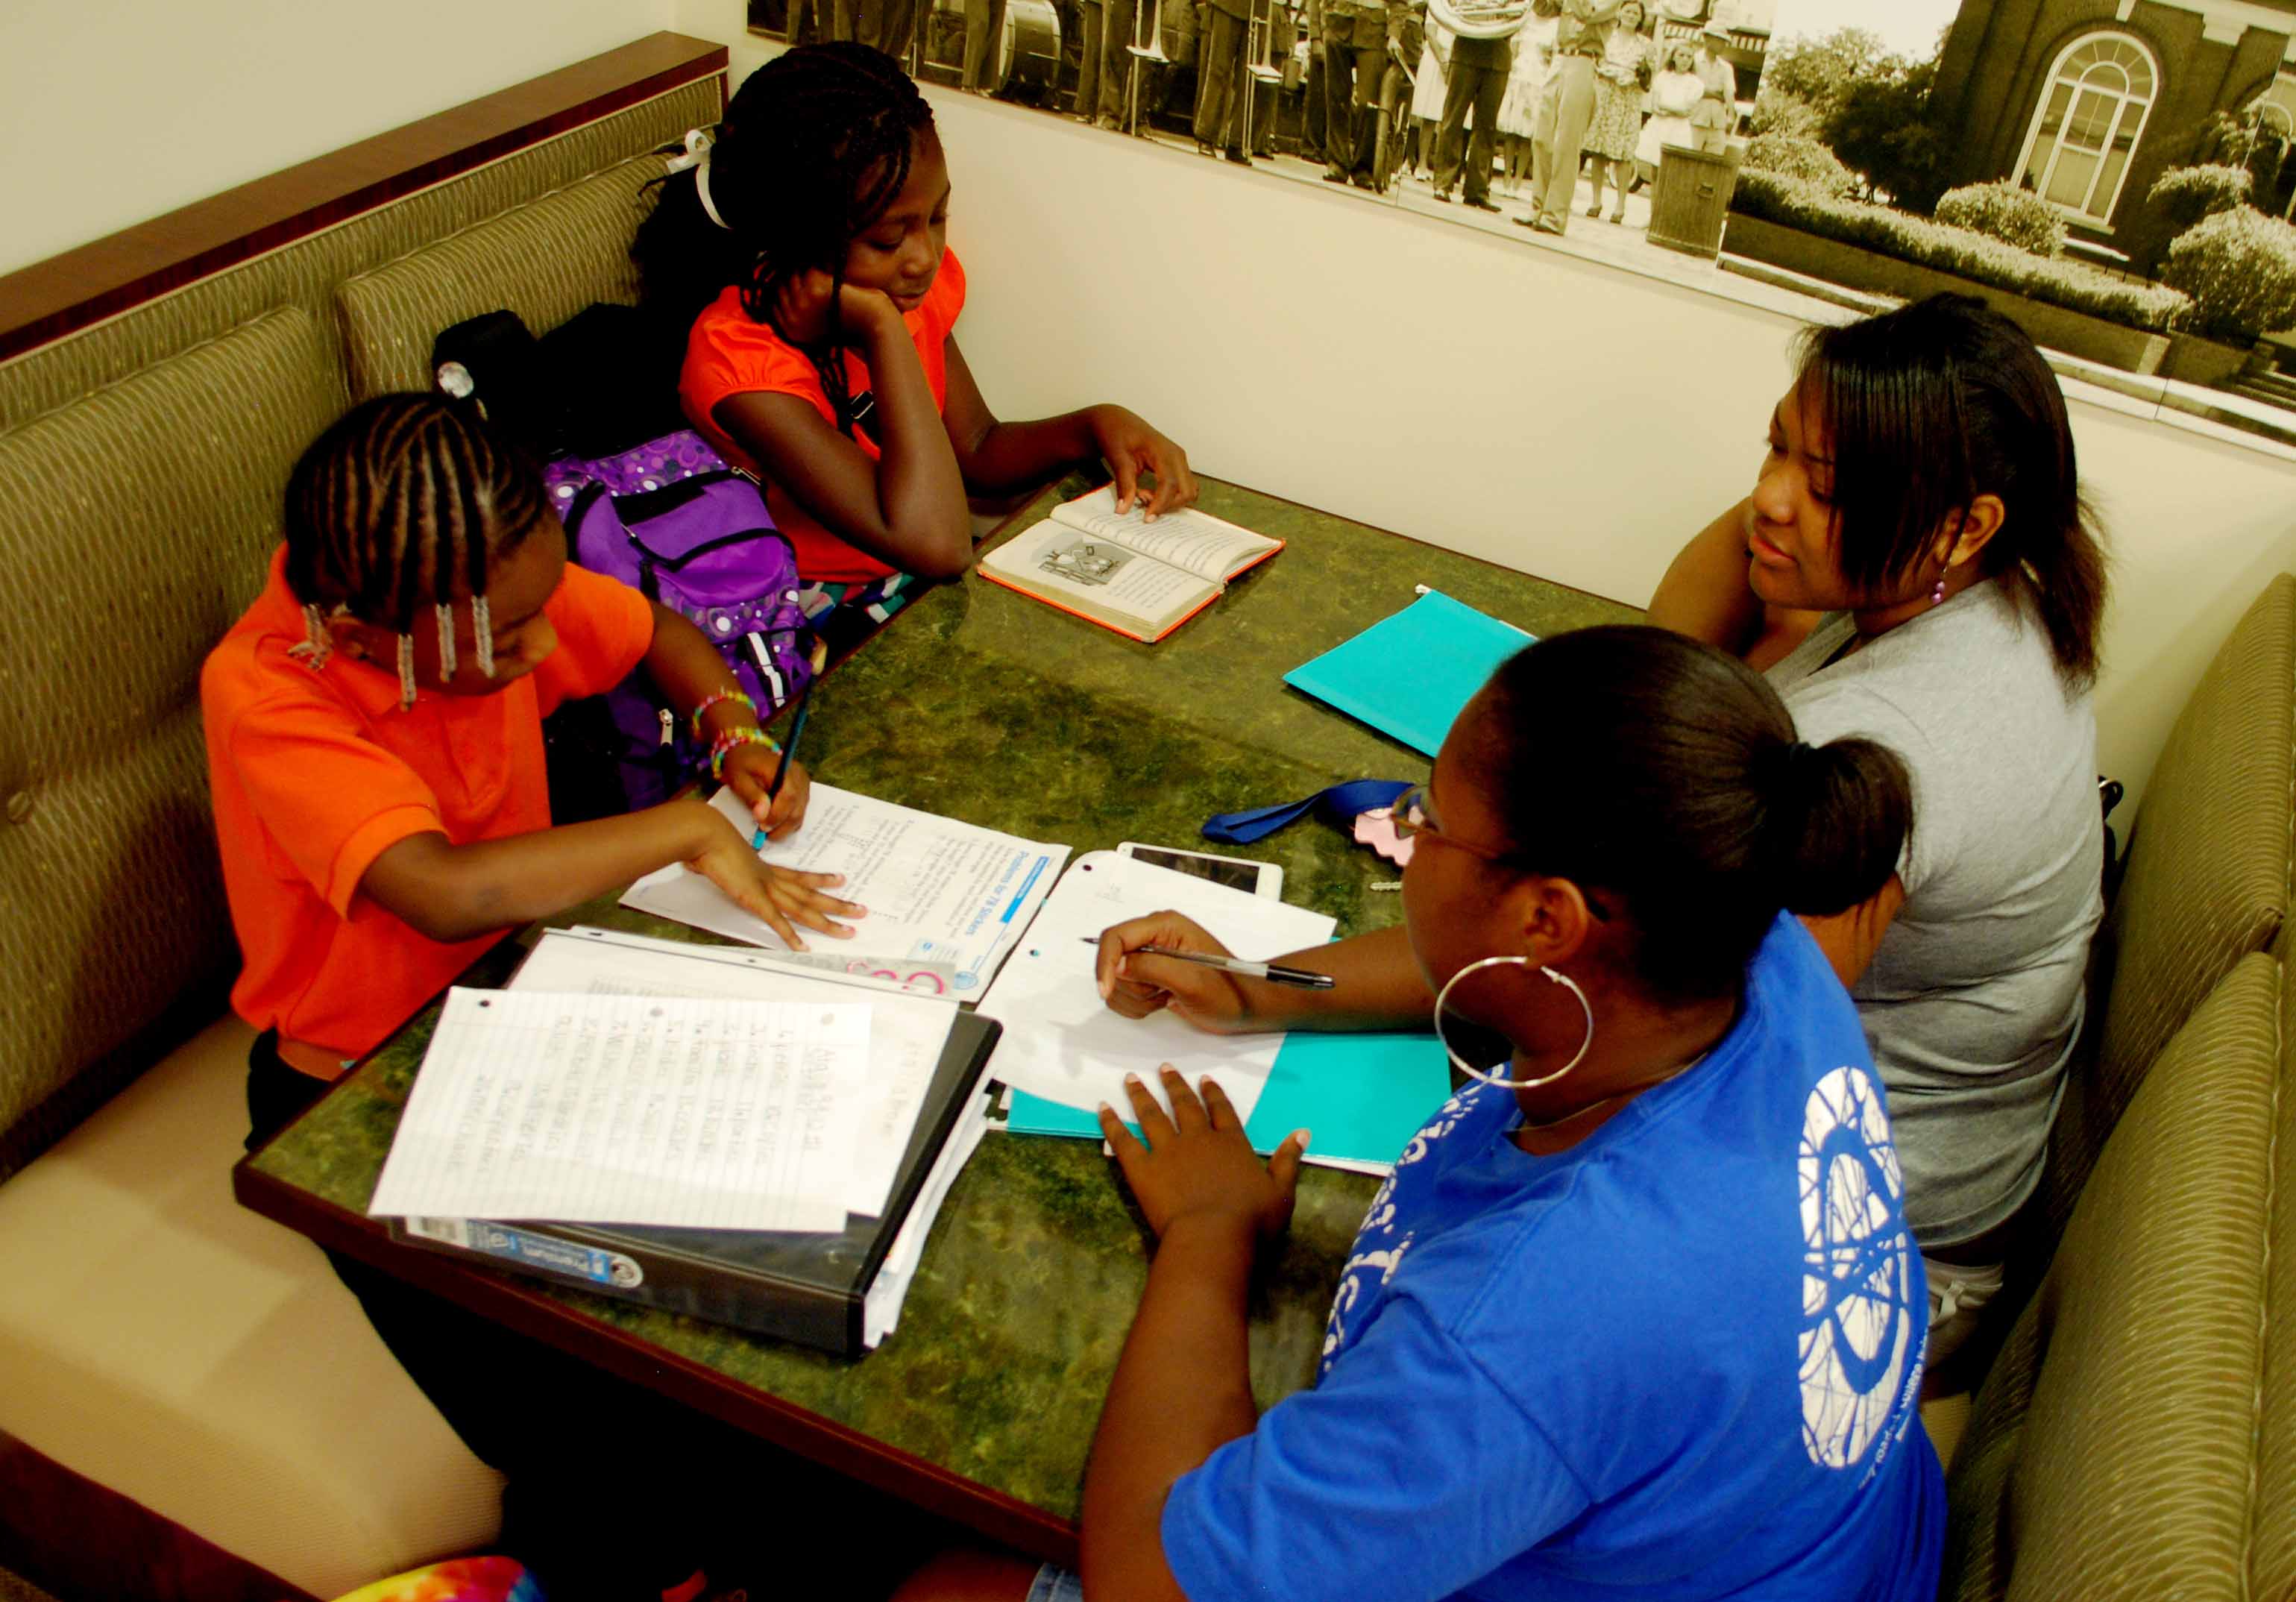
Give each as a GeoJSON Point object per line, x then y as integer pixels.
{"type": "Point", "coordinates": [805, 247]}
{"type": "Point", "coordinates": [375, 743]}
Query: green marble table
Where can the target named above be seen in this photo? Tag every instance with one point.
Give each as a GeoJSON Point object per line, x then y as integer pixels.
{"type": "Point", "coordinates": [982, 705]}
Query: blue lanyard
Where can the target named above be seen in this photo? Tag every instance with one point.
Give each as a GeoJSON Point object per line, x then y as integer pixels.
{"type": "Point", "coordinates": [1339, 805]}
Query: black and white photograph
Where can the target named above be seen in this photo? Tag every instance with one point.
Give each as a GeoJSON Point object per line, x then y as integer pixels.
{"type": "Point", "coordinates": [2119, 175]}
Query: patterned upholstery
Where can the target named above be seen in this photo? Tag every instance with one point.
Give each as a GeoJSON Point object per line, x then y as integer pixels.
{"type": "Point", "coordinates": [140, 519]}
{"type": "Point", "coordinates": [142, 463]}
{"type": "Point", "coordinates": [2208, 873]}
{"type": "Point", "coordinates": [545, 260]}
{"type": "Point", "coordinates": [2111, 1450]}
{"type": "Point", "coordinates": [2272, 1524]}
{"type": "Point", "coordinates": [308, 272]}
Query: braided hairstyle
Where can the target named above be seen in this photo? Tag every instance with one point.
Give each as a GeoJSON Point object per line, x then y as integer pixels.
{"type": "Point", "coordinates": [815, 145]}
{"type": "Point", "coordinates": [405, 502]}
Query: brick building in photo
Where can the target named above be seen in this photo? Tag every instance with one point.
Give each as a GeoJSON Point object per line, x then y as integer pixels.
{"type": "Point", "coordinates": [2087, 102]}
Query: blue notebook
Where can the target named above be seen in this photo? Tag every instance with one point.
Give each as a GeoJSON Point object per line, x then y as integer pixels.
{"type": "Point", "coordinates": [1361, 1097]}
{"type": "Point", "coordinates": [1410, 675]}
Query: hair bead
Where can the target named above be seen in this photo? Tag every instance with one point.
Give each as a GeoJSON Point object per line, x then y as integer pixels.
{"type": "Point", "coordinates": [406, 672]}
{"type": "Point", "coordinates": [446, 616]}
{"type": "Point", "coordinates": [482, 633]}
{"type": "Point", "coordinates": [318, 644]}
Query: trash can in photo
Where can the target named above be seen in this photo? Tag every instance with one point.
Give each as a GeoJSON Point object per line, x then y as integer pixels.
{"type": "Point", "coordinates": [1692, 200]}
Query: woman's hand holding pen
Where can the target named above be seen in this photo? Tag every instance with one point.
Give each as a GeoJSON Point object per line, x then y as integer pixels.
{"type": "Point", "coordinates": [1135, 983]}
{"type": "Point", "coordinates": [783, 897]}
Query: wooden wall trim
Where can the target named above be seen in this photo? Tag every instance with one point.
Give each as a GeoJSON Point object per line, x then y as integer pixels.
{"type": "Point", "coordinates": [51, 298]}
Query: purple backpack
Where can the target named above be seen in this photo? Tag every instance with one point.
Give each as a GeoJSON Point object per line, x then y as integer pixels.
{"type": "Point", "coordinates": [671, 519]}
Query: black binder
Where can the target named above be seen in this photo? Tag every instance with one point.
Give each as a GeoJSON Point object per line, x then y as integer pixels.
{"type": "Point", "coordinates": [807, 1288]}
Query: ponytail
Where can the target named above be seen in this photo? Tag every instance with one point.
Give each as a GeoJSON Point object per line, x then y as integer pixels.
{"type": "Point", "coordinates": [1837, 815]}
{"type": "Point", "coordinates": [684, 260]}
{"type": "Point", "coordinates": [1658, 772]}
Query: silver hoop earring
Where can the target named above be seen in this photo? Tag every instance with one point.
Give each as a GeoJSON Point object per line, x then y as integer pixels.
{"type": "Point", "coordinates": [1564, 980]}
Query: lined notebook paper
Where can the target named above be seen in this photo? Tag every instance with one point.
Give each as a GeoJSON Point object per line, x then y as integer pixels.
{"type": "Point", "coordinates": [705, 1113]}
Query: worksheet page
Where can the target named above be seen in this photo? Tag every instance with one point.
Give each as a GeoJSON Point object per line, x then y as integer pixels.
{"type": "Point", "coordinates": [938, 892]}
{"type": "Point", "coordinates": [704, 1113]}
{"type": "Point", "coordinates": [1061, 1040]}
{"type": "Point", "coordinates": [905, 1034]}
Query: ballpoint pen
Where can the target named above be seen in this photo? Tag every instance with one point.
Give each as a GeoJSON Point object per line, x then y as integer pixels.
{"type": "Point", "coordinates": [1274, 973]}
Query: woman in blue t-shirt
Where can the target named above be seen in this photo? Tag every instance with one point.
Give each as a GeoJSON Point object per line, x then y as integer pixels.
{"type": "Point", "coordinates": [1638, 1312]}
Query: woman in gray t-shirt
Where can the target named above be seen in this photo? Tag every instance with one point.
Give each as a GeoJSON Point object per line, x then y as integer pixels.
{"type": "Point", "coordinates": [1917, 564]}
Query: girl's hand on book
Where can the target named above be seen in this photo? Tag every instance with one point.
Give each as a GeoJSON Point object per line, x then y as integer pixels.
{"type": "Point", "coordinates": [1135, 983]}
{"type": "Point", "coordinates": [783, 897]}
{"type": "Point", "coordinates": [1197, 1164]}
{"type": "Point", "coordinates": [1131, 449]}
{"type": "Point", "coordinates": [801, 309]}
{"type": "Point", "coordinates": [750, 770]}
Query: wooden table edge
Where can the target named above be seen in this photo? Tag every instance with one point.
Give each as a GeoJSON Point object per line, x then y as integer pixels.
{"type": "Point", "coordinates": [525, 1308]}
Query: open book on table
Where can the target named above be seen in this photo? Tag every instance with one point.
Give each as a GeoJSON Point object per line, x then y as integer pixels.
{"type": "Point", "coordinates": [1122, 572]}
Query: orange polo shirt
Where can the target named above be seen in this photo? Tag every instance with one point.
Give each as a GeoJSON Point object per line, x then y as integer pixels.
{"type": "Point", "coordinates": [729, 353]}
{"type": "Point", "coordinates": [314, 775]}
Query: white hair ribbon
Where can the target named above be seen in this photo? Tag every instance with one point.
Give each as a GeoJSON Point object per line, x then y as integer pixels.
{"type": "Point", "coordinates": [696, 155]}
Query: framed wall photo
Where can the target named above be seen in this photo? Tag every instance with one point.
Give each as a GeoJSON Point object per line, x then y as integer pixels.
{"type": "Point", "coordinates": [2110, 166]}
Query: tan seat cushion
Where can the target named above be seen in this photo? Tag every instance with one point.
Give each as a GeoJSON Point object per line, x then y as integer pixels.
{"type": "Point", "coordinates": [160, 1339]}
{"type": "Point", "coordinates": [545, 260]}
{"type": "Point", "coordinates": [2108, 1453]}
{"type": "Point", "coordinates": [2207, 878]}
{"type": "Point", "coordinates": [140, 522]}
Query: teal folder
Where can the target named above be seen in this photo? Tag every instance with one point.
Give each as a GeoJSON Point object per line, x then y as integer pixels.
{"type": "Point", "coordinates": [1410, 675]}
{"type": "Point", "coordinates": [1360, 1097]}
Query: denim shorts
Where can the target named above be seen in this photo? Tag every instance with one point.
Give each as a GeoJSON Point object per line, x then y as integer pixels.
{"type": "Point", "coordinates": [1055, 1584]}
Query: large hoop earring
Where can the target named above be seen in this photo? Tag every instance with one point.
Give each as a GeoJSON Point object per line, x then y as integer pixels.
{"type": "Point", "coordinates": [1564, 980]}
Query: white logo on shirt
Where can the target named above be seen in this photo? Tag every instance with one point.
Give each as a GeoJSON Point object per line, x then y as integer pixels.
{"type": "Point", "coordinates": [1860, 1331]}
{"type": "Point", "coordinates": [1379, 1220]}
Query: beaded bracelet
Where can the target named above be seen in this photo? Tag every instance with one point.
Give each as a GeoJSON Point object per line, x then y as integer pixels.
{"type": "Point", "coordinates": [723, 747]}
{"type": "Point", "coordinates": [713, 698]}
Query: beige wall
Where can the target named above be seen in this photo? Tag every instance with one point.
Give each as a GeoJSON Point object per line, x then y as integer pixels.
{"type": "Point", "coordinates": [1481, 393]}
{"type": "Point", "coordinates": [112, 111]}
{"type": "Point", "coordinates": [1470, 391]}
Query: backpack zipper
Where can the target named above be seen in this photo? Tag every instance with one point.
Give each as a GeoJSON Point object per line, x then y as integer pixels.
{"type": "Point", "coordinates": [668, 723]}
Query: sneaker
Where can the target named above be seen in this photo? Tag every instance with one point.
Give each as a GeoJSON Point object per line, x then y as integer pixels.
{"type": "Point", "coordinates": [1547, 224]}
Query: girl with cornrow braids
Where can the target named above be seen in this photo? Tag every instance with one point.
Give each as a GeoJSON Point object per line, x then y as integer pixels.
{"type": "Point", "coordinates": [805, 247]}
{"type": "Point", "coordinates": [374, 736]}
{"type": "Point", "coordinates": [374, 746]}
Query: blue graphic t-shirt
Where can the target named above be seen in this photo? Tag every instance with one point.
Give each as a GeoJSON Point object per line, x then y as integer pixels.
{"type": "Point", "coordinates": [1680, 1361]}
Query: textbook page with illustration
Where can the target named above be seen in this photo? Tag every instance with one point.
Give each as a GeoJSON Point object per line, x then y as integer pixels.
{"type": "Point", "coordinates": [1122, 572]}
{"type": "Point", "coordinates": [945, 898]}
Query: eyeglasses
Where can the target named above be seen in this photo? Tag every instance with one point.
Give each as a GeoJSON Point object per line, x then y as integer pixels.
{"type": "Point", "coordinates": [1413, 820]}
